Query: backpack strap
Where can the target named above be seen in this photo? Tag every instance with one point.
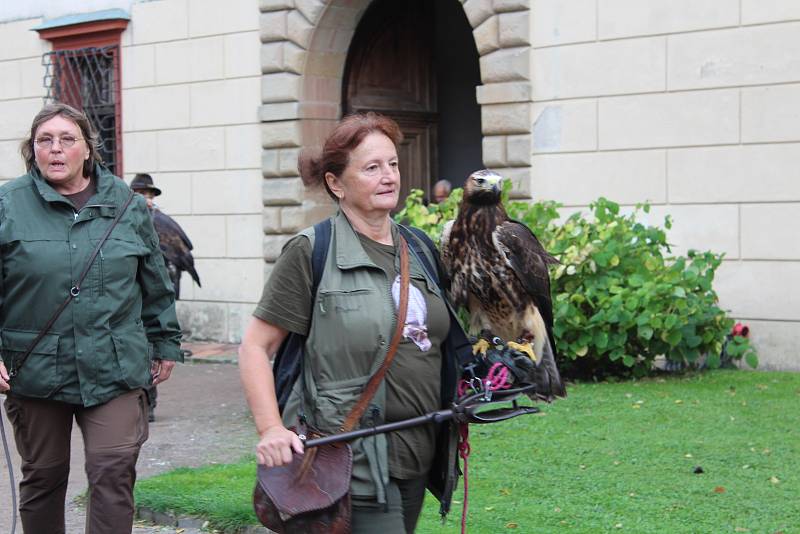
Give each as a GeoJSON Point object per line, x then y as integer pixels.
{"type": "Point", "coordinates": [288, 363]}
{"type": "Point", "coordinates": [322, 240]}
{"type": "Point", "coordinates": [414, 236]}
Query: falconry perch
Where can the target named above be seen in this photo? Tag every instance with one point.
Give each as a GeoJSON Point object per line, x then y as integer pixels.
{"type": "Point", "coordinates": [498, 271]}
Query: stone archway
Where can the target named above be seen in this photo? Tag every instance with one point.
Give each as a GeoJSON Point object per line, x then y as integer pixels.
{"type": "Point", "coordinates": [304, 50]}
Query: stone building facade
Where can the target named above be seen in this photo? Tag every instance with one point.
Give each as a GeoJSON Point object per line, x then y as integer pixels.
{"type": "Point", "coordinates": [692, 105]}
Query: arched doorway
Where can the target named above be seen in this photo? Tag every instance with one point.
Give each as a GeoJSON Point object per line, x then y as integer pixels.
{"type": "Point", "coordinates": [416, 61]}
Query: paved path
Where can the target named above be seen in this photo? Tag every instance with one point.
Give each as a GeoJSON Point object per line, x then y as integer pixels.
{"type": "Point", "coordinates": [201, 418]}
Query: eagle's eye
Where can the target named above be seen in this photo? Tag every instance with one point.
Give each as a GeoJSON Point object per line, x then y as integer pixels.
{"type": "Point", "coordinates": [480, 181]}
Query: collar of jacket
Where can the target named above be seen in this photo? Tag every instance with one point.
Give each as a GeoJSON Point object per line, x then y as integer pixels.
{"type": "Point", "coordinates": [105, 187]}
{"type": "Point", "coordinates": [349, 252]}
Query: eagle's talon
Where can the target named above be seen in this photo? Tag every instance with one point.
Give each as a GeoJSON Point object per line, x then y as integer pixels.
{"type": "Point", "coordinates": [480, 347]}
{"type": "Point", "coordinates": [525, 348]}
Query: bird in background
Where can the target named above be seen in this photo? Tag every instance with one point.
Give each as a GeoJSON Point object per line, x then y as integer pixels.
{"type": "Point", "coordinates": [176, 248]}
{"type": "Point", "coordinates": [499, 273]}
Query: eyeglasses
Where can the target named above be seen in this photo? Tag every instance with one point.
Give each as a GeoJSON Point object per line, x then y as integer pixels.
{"type": "Point", "coordinates": [66, 141]}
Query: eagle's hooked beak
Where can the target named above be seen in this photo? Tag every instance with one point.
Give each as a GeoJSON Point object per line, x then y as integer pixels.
{"type": "Point", "coordinates": [495, 182]}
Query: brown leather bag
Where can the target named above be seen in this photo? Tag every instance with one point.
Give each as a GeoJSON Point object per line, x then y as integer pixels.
{"type": "Point", "coordinates": [311, 495]}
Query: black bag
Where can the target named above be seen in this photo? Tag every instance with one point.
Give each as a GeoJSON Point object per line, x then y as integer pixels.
{"type": "Point", "coordinates": [286, 367]}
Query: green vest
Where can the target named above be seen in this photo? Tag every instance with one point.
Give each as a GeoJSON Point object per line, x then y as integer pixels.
{"type": "Point", "coordinates": [353, 319]}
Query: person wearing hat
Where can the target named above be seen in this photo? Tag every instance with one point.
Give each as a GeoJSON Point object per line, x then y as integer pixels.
{"type": "Point", "coordinates": [175, 247]}
{"type": "Point", "coordinates": [143, 184]}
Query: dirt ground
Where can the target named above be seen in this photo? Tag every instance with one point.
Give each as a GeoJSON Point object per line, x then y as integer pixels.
{"type": "Point", "coordinates": [201, 418]}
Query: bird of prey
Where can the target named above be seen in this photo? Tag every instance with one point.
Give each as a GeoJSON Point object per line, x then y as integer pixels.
{"type": "Point", "coordinates": [176, 248]}
{"type": "Point", "coordinates": [498, 271]}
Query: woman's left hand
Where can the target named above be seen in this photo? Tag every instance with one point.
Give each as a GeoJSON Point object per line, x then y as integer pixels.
{"type": "Point", "coordinates": [4, 378]}
{"type": "Point", "coordinates": [161, 370]}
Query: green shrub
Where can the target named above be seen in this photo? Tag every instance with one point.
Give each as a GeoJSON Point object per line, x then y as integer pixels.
{"type": "Point", "coordinates": [620, 298]}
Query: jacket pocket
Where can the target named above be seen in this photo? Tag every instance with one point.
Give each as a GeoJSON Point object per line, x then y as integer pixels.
{"type": "Point", "coordinates": [38, 374]}
{"type": "Point", "coordinates": [118, 263]}
{"type": "Point", "coordinates": [334, 401]}
{"type": "Point", "coordinates": [350, 321]}
{"type": "Point", "coordinates": [132, 356]}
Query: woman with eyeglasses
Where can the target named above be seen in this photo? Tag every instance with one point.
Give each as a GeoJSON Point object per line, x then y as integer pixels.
{"type": "Point", "coordinates": [92, 362]}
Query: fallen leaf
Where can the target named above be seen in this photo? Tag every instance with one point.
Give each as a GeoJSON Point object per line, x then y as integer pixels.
{"type": "Point", "coordinates": [688, 455]}
{"type": "Point", "coordinates": [617, 462]}
{"type": "Point", "coordinates": [628, 395]}
{"type": "Point", "coordinates": [636, 406]}
{"type": "Point", "coordinates": [582, 466]}
{"type": "Point", "coordinates": [489, 508]}
{"type": "Point", "coordinates": [511, 525]}
{"type": "Point", "coordinates": [741, 529]}
{"type": "Point", "coordinates": [678, 401]}
{"type": "Point", "coordinates": [632, 494]}
{"type": "Point", "coordinates": [639, 402]}
{"type": "Point", "coordinates": [766, 451]}
{"type": "Point", "coordinates": [556, 509]}
{"type": "Point", "coordinates": [719, 489]}
{"type": "Point", "coordinates": [746, 466]}
{"type": "Point", "coordinates": [618, 525]}
{"type": "Point", "coordinates": [775, 480]}
{"type": "Point", "coordinates": [505, 491]}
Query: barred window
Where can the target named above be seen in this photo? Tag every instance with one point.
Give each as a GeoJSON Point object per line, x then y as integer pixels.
{"type": "Point", "coordinates": [88, 79]}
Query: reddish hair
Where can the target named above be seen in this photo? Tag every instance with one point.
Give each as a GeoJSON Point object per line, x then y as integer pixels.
{"type": "Point", "coordinates": [335, 154]}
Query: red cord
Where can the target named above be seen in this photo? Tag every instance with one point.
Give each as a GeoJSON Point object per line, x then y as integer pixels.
{"type": "Point", "coordinates": [463, 451]}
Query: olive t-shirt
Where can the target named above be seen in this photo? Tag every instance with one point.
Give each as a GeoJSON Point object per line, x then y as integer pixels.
{"type": "Point", "coordinates": [414, 376]}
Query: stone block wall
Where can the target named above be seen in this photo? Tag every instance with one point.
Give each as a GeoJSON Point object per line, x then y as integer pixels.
{"type": "Point", "coordinates": [21, 89]}
{"type": "Point", "coordinates": [692, 105]}
{"type": "Point", "coordinates": [191, 93]}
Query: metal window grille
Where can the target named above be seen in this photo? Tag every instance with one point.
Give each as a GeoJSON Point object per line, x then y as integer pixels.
{"type": "Point", "coordinates": [87, 79]}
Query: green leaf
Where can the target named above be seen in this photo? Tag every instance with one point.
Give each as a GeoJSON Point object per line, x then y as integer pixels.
{"type": "Point", "coordinates": [713, 361]}
{"type": "Point", "coordinates": [674, 337]}
{"type": "Point", "coordinates": [601, 340]}
{"type": "Point", "coordinates": [645, 332]}
{"type": "Point", "coordinates": [752, 359]}
{"type": "Point", "coordinates": [628, 360]}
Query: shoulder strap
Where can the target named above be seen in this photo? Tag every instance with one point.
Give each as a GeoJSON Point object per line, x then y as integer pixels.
{"type": "Point", "coordinates": [287, 366]}
{"type": "Point", "coordinates": [410, 232]}
{"type": "Point", "coordinates": [74, 290]}
{"type": "Point", "coordinates": [322, 240]}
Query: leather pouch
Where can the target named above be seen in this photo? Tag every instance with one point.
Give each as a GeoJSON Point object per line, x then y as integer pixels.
{"type": "Point", "coordinates": [313, 498]}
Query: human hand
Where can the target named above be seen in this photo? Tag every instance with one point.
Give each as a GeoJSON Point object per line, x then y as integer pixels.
{"type": "Point", "coordinates": [161, 369]}
{"type": "Point", "coordinates": [4, 378]}
{"type": "Point", "coordinates": [276, 446]}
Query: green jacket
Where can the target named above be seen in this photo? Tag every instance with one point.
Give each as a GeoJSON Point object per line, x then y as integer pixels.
{"type": "Point", "coordinates": [102, 343]}
{"type": "Point", "coordinates": [351, 327]}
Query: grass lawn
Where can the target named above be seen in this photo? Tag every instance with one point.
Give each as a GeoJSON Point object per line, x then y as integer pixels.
{"type": "Point", "coordinates": [613, 457]}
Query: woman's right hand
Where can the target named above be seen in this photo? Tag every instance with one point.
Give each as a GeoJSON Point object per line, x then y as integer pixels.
{"type": "Point", "coordinates": [276, 446]}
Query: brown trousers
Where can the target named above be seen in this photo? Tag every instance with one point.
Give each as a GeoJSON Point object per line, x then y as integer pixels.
{"type": "Point", "coordinates": [113, 433]}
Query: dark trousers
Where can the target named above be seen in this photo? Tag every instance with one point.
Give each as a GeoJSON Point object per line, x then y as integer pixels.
{"type": "Point", "coordinates": [399, 515]}
{"type": "Point", "coordinates": [113, 433]}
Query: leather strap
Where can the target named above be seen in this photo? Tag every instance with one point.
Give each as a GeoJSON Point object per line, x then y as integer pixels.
{"type": "Point", "coordinates": [74, 291]}
{"type": "Point", "coordinates": [375, 380]}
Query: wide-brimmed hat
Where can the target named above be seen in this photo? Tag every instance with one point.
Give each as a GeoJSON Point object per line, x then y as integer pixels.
{"type": "Point", "coordinates": [144, 181]}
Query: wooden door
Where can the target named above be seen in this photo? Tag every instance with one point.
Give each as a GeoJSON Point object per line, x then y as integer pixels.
{"type": "Point", "coordinates": [390, 70]}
